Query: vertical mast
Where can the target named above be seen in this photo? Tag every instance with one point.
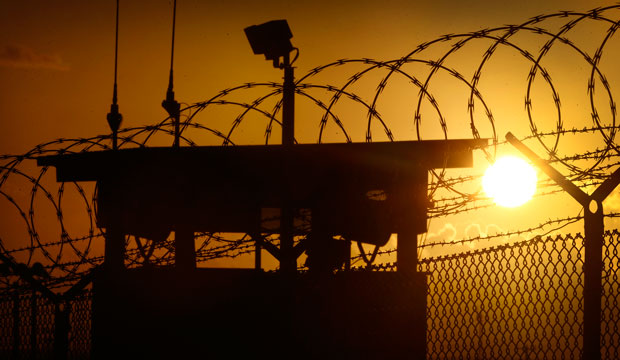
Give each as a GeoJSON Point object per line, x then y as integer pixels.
{"type": "Point", "coordinates": [170, 104]}
{"type": "Point", "coordinates": [114, 117]}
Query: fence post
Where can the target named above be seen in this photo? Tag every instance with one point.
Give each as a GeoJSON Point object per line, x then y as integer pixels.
{"type": "Point", "coordinates": [33, 325]}
{"type": "Point", "coordinates": [592, 288]}
{"type": "Point", "coordinates": [61, 330]}
{"type": "Point", "coordinates": [16, 337]}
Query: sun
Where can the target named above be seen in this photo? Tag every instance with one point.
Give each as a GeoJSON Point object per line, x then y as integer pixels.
{"type": "Point", "coordinates": [510, 181]}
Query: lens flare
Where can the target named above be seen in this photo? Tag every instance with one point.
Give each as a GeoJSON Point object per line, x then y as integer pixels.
{"type": "Point", "coordinates": [510, 181]}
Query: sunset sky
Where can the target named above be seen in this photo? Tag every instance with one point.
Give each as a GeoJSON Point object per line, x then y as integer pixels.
{"type": "Point", "coordinates": [57, 57]}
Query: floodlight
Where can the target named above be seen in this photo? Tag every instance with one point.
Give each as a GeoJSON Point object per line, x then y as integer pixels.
{"type": "Point", "coordinates": [271, 39]}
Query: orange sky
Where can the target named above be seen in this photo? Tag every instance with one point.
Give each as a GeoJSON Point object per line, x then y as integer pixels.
{"type": "Point", "coordinates": [56, 66]}
{"type": "Point", "coordinates": [56, 58]}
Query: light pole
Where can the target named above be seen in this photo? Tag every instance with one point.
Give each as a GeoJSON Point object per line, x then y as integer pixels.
{"type": "Point", "coordinates": [272, 39]}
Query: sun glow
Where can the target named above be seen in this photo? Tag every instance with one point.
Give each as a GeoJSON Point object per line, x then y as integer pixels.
{"type": "Point", "coordinates": [510, 181]}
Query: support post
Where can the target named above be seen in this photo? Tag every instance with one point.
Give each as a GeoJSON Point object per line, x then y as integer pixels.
{"type": "Point", "coordinates": [61, 331]}
{"type": "Point", "coordinates": [288, 104]}
{"type": "Point", "coordinates": [288, 260]}
{"type": "Point", "coordinates": [16, 326]}
{"type": "Point", "coordinates": [412, 189]}
{"type": "Point", "coordinates": [114, 259]}
{"type": "Point", "coordinates": [592, 283]}
{"type": "Point", "coordinates": [185, 249]}
{"type": "Point", "coordinates": [347, 264]}
{"type": "Point", "coordinates": [33, 325]}
{"type": "Point", "coordinates": [258, 241]}
{"type": "Point", "coordinates": [407, 252]}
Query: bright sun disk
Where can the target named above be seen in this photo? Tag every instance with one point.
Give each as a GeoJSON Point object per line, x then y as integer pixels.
{"type": "Point", "coordinates": [510, 181]}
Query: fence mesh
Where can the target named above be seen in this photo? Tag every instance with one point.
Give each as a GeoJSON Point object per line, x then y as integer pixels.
{"type": "Point", "coordinates": [610, 336]}
{"type": "Point", "coordinates": [517, 301]}
{"type": "Point", "coordinates": [27, 325]}
{"type": "Point", "coordinates": [80, 326]}
{"type": "Point", "coordinates": [521, 301]}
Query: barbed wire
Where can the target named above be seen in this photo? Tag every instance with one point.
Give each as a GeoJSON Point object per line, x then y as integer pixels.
{"type": "Point", "coordinates": [427, 79]}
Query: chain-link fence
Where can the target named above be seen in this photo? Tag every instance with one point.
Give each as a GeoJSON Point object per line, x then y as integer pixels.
{"type": "Point", "coordinates": [521, 301]}
{"type": "Point", "coordinates": [517, 301]}
{"type": "Point", "coordinates": [28, 326]}
{"type": "Point", "coordinates": [610, 336]}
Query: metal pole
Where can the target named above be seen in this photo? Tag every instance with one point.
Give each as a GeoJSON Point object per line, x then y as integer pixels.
{"type": "Point", "coordinates": [16, 326]}
{"type": "Point", "coordinates": [61, 331]}
{"type": "Point", "coordinates": [412, 183]}
{"type": "Point", "coordinates": [114, 249]}
{"type": "Point", "coordinates": [170, 104]}
{"type": "Point", "coordinates": [288, 260]}
{"type": "Point", "coordinates": [110, 200]}
{"type": "Point", "coordinates": [592, 282]}
{"type": "Point", "coordinates": [185, 249]}
{"type": "Point", "coordinates": [288, 110]}
{"type": "Point", "coordinates": [258, 250]}
{"type": "Point", "coordinates": [407, 252]}
{"type": "Point", "coordinates": [114, 117]}
{"type": "Point", "coordinates": [33, 325]}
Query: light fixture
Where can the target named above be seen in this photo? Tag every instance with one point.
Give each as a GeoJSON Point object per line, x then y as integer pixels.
{"type": "Point", "coordinates": [271, 39]}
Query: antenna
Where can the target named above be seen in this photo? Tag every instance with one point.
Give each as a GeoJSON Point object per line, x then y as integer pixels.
{"type": "Point", "coordinates": [170, 104]}
{"type": "Point", "coordinates": [114, 117]}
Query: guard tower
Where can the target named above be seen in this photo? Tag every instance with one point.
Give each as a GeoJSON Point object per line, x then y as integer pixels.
{"type": "Point", "coordinates": [360, 191]}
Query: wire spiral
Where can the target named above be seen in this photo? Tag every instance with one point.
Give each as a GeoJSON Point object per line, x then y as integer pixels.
{"type": "Point", "coordinates": [473, 85]}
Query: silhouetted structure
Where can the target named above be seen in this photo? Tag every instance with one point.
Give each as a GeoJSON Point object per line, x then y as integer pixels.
{"type": "Point", "coordinates": [518, 300]}
{"type": "Point", "coordinates": [362, 191]}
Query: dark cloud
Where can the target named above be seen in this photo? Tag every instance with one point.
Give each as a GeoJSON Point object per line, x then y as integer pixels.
{"type": "Point", "coordinates": [19, 56]}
